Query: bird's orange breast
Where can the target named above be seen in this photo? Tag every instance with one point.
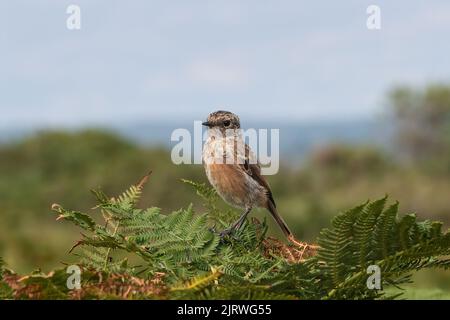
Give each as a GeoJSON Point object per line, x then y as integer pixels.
{"type": "Point", "coordinates": [230, 183]}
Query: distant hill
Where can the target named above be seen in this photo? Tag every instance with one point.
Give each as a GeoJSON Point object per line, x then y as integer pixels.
{"type": "Point", "coordinates": [296, 139]}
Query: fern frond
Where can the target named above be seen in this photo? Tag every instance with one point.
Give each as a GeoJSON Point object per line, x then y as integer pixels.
{"type": "Point", "coordinates": [199, 283]}
{"type": "Point", "coordinates": [196, 263]}
{"type": "Point", "coordinates": [207, 193]}
{"type": "Point", "coordinates": [370, 235]}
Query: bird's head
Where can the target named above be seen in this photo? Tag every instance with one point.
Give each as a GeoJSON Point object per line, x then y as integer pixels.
{"type": "Point", "coordinates": [222, 120]}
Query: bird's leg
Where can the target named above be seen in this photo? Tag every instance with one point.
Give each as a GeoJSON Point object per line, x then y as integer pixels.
{"type": "Point", "coordinates": [237, 225]}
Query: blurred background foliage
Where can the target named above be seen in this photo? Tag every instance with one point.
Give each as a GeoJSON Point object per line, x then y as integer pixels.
{"type": "Point", "coordinates": [61, 166]}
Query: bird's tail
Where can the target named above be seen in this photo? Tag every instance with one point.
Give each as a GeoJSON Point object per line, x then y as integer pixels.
{"type": "Point", "coordinates": [273, 211]}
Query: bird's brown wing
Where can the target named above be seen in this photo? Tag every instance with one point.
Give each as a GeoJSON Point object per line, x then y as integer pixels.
{"type": "Point", "coordinates": [254, 171]}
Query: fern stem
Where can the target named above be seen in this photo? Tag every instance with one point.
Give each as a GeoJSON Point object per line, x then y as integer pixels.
{"type": "Point", "coordinates": [108, 251]}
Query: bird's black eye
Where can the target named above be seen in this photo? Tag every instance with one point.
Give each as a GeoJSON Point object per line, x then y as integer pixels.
{"type": "Point", "coordinates": [227, 123]}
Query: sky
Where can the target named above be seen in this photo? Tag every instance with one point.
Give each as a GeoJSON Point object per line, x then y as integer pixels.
{"type": "Point", "coordinates": [163, 60]}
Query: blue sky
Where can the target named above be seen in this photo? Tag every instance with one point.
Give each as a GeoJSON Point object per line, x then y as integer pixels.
{"type": "Point", "coordinates": [153, 60]}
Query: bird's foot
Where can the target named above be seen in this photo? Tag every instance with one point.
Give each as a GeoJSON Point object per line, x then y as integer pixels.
{"type": "Point", "coordinates": [226, 232]}
{"type": "Point", "coordinates": [229, 232]}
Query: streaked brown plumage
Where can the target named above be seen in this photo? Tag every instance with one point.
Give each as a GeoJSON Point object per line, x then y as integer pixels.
{"type": "Point", "coordinates": [239, 181]}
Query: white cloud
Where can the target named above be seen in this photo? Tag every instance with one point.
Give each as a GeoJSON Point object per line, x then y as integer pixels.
{"type": "Point", "coordinates": [292, 60]}
{"type": "Point", "coordinates": [199, 75]}
{"type": "Point", "coordinates": [217, 74]}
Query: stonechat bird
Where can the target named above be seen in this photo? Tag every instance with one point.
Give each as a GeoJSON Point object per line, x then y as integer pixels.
{"type": "Point", "coordinates": [234, 172]}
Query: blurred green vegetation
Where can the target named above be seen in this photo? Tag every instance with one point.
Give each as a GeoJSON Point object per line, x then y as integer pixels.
{"type": "Point", "coordinates": [61, 167]}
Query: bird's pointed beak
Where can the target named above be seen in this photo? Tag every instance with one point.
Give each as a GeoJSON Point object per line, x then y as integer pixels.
{"type": "Point", "coordinates": [206, 123]}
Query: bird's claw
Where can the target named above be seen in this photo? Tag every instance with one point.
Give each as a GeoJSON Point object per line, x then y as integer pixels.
{"type": "Point", "coordinates": [230, 232]}
{"type": "Point", "coordinates": [226, 232]}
